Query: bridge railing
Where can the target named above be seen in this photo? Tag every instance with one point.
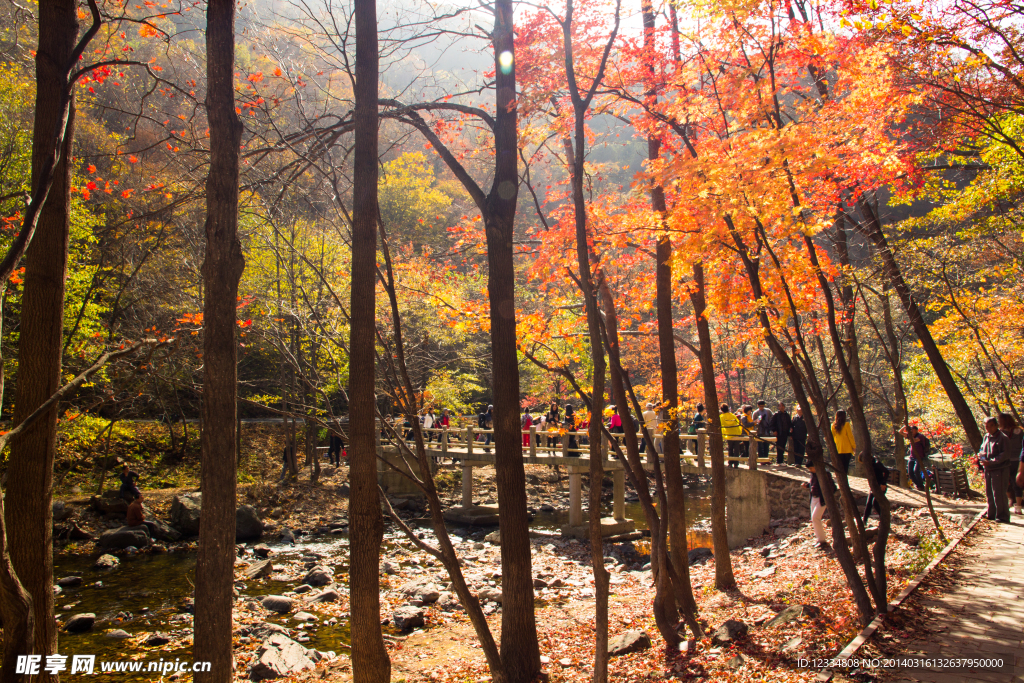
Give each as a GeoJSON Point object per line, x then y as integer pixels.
{"type": "Point", "coordinates": [463, 442]}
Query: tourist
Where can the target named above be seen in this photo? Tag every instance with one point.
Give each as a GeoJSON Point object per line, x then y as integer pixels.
{"type": "Point", "coordinates": [920, 446]}
{"type": "Point", "coordinates": [526, 422]}
{"type": "Point", "coordinates": [553, 420]}
{"type": "Point", "coordinates": [1014, 444]}
{"type": "Point", "coordinates": [486, 421]}
{"type": "Point", "coordinates": [136, 516]}
{"type": "Point", "coordinates": [842, 433]}
{"type": "Point", "coordinates": [444, 423]}
{"type": "Point", "coordinates": [287, 455]}
{"type": "Point", "coordinates": [650, 424]}
{"type": "Point", "coordinates": [763, 418]}
{"type": "Point", "coordinates": [782, 425]}
{"type": "Point", "coordinates": [699, 421]}
{"type": "Point", "coordinates": [541, 427]}
{"type": "Point", "coordinates": [882, 477]}
{"type": "Point", "coordinates": [799, 434]}
{"type": "Point", "coordinates": [129, 488]}
{"type": "Point", "coordinates": [995, 459]}
{"type": "Point", "coordinates": [817, 508]}
{"type": "Point", "coordinates": [570, 426]}
{"type": "Point", "coordinates": [746, 416]}
{"type": "Point", "coordinates": [428, 425]}
{"type": "Point", "coordinates": [334, 449]}
{"type": "Point", "coordinates": [730, 425]}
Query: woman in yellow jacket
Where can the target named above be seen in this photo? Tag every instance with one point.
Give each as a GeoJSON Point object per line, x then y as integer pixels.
{"type": "Point", "coordinates": [842, 433]}
{"type": "Point", "coordinates": [731, 427]}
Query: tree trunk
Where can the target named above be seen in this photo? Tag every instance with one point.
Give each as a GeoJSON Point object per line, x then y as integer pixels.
{"type": "Point", "coordinates": [520, 652]}
{"type": "Point", "coordinates": [872, 228]}
{"type": "Point", "coordinates": [370, 663]}
{"type": "Point", "coordinates": [30, 469]}
{"type": "Point", "coordinates": [222, 270]}
{"type": "Point", "coordinates": [724, 579]}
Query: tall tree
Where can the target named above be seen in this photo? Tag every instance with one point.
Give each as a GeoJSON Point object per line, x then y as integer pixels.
{"type": "Point", "coordinates": [222, 270]}
{"type": "Point", "coordinates": [30, 470]}
{"type": "Point", "coordinates": [370, 663]}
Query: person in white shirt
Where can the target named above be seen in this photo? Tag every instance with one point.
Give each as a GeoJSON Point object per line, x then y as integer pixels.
{"type": "Point", "coordinates": [428, 422]}
{"type": "Point", "coordinates": [651, 422]}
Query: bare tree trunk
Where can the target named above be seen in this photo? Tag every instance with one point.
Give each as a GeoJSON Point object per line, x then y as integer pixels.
{"type": "Point", "coordinates": [222, 270]}
{"type": "Point", "coordinates": [520, 652]}
{"type": "Point", "coordinates": [370, 662]}
{"type": "Point", "coordinates": [724, 579]}
{"type": "Point", "coordinates": [872, 228]}
{"type": "Point", "coordinates": [30, 471]}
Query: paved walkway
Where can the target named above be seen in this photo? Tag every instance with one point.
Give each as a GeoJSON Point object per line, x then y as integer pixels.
{"type": "Point", "coordinates": [981, 616]}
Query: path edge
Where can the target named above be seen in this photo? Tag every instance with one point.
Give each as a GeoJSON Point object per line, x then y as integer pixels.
{"type": "Point", "coordinates": [854, 645]}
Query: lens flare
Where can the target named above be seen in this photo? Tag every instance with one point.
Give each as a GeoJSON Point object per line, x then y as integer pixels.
{"type": "Point", "coordinates": [505, 62]}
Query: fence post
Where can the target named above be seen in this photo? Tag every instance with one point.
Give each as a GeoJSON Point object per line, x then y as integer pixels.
{"type": "Point", "coordinates": [702, 446]}
{"type": "Point", "coordinates": [533, 441]}
{"type": "Point", "coordinates": [444, 442]}
{"type": "Point", "coordinates": [752, 453]}
{"type": "Point", "coordinates": [469, 442]}
{"type": "Point", "coordinates": [467, 485]}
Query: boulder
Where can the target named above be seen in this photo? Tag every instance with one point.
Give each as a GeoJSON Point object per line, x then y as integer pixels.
{"type": "Point", "coordinates": [110, 502]}
{"type": "Point", "coordinates": [185, 511]}
{"type": "Point", "coordinates": [408, 617]}
{"type": "Point", "coordinates": [278, 603]}
{"type": "Point", "coordinates": [423, 590]}
{"type": "Point", "coordinates": [794, 612]}
{"type": "Point", "coordinates": [764, 573]}
{"type": "Point", "coordinates": [106, 562]}
{"type": "Point", "coordinates": [80, 623]}
{"type": "Point", "coordinates": [391, 568]}
{"type": "Point", "coordinates": [279, 656]}
{"type": "Point", "coordinates": [262, 551]}
{"type": "Point", "coordinates": [730, 631]}
{"type": "Point", "coordinates": [117, 634]}
{"type": "Point", "coordinates": [156, 639]}
{"type": "Point", "coordinates": [259, 570]}
{"type": "Point", "coordinates": [318, 576]}
{"type": "Point", "coordinates": [783, 531]}
{"type": "Point", "coordinates": [493, 537]}
{"type": "Point", "coordinates": [489, 595]}
{"type": "Point", "coordinates": [70, 581]}
{"type": "Point", "coordinates": [70, 531]}
{"type": "Point", "coordinates": [304, 616]}
{"type": "Point", "coordinates": [448, 602]}
{"type": "Point", "coordinates": [124, 537]}
{"type": "Point", "coordinates": [628, 642]}
{"type": "Point", "coordinates": [287, 537]}
{"type": "Point", "coordinates": [329, 595]}
{"type": "Point", "coordinates": [302, 589]}
{"type": "Point", "coordinates": [60, 511]}
{"type": "Point", "coordinates": [162, 531]}
{"type": "Point", "coordinates": [698, 554]}
{"type": "Point", "coordinates": [247, 523]}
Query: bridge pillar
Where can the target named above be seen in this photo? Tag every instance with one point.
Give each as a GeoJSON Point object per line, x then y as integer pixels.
{"type": "Point", "coordinates": [619, 494]}
{"type": "Point", "coordinates": [467, 485]}
{"type": "Point", "coordinates": [702, 446]}
{"type": "Point", "coordinates": [575, 497]}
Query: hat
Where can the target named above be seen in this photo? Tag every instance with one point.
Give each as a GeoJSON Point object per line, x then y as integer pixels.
{"type": "Point", "coordinates": [650, 405]}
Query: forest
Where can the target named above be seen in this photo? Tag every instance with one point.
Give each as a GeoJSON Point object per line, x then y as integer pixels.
{"type": "Point", "coordinates": [337, 216]}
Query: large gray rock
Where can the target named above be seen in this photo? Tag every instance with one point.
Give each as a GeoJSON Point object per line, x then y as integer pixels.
{"type": "Point", "coordinates": [448, 602]}
{"type": "Point", "coordinates": [318, 576]}
{"type": "Point", "coordinates": [110, 501]}
{"type": "Point", "coordinates": [628, 642]}
{"type": "Point", "coordinates": [70, 581]}
{"type": "Point", "coordinates": [423, 590]}
{"type": "Point", "coordinates": [162, 531]}
{"type": "Point", "coordinates": [259, 570]}
{"type": "Point", "coordinates": [60, 511]}
{"type": "Point", "coordinates": [329, 595]}
{"type": "Point", "coordinates": [280, 656]}
{"type": "Point", "coordinates": [730, 631]}
{"type": "Point", "coordinates": [106, 562]}
{"type": "Point", "coordinates": [278, 603]}
{"type": "Point", "coordinates": [262, 551]}
{"type": "Point", "coordinates": [794, 612]}
{"type": "Point", "coordinates": [489, 595]}
{"type": "Point", "coordinates": [185, 511]}
{"type": "Point", "coordinates": [408, 617]}
{"type": "Point", "coordinates": [247, 523]}
{"type": "Point", "coordinates": [80, 623]}
{"type": "Point", "coordinates": [698, 554]}
{"type": "Point", "coordinates": [123, 537]}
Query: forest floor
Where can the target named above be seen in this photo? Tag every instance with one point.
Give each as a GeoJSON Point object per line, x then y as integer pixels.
{"type": "Point", "coordinates": [773, 572]}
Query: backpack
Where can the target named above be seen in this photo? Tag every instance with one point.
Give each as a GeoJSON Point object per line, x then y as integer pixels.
{"type": "Point", "coordinates": [481, 420]}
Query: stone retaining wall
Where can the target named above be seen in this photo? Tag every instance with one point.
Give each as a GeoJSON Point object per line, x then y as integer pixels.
{"type": "Point", "coordinates": [787, 497]}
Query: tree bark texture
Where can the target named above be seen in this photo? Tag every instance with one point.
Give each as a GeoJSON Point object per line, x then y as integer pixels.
{"type": "Point", "coordinates": [370, 662]}
{"type": "Point", "coordinates": [520, 652]}
{"type": "Point", "coordinates": [724, 579]}
{"type": "Point", "coordinates": [30, 470]}
{"type": "Point", "coordinates": [222, 270]}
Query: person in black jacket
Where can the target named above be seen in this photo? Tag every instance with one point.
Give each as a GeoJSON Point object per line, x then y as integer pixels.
{"type": "Point", "coordinates": [882, 475]}
{"type": "Point", "coordinates": [799, 434]}
{"type": "Point", "coordinates": [782, 425]}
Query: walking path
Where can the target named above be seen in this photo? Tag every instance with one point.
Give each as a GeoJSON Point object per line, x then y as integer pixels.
{"type": "Point", "coordinates": [980, 616]}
